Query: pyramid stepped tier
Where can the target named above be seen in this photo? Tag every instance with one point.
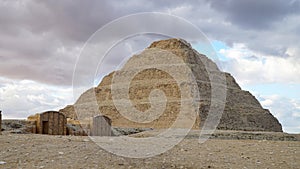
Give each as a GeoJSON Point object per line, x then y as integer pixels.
{"type": "Point", "coordinates": [242, 110]}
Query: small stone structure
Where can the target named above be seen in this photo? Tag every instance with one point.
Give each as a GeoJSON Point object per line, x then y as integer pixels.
{"type": "Point", "coordinates": [50, 122]}
{"type": "Point", "coordinates": [101, 126]}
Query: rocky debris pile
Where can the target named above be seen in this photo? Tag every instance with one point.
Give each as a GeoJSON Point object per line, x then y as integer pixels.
{"type": "Point", "coordinates": [15, 126]}
{"type": "Point", "coordinates": [75, 130]}
{"type": "Point", "coordinates": [255, 136]}
{"type": "Point", "coordinates": [229, 135]}
{"type": "Point", "coordinates": [118, 131]}
{"type": "Point", "coordinates": [242, 110]}
{"type": "Point", "coordinates": [244, 135]}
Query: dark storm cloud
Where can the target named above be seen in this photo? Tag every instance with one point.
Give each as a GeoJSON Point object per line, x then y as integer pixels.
{"type": "Point", "coordinates": [40, 40]}
{"type": "Point", "coordinates": [256, 14]}
{"type": "Point", "coordinates": [268, 27]}
{"type": "Point", "coordinates": [34, 32]}
{"type": "Point", "coordinates": [77, 20]}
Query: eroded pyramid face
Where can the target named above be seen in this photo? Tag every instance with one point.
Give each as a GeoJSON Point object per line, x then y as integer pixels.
{"type": "Point", "coordinates": [153, 83]}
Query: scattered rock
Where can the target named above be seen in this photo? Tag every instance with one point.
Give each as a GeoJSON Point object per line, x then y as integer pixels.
{"type": "Point", "coordinates": [2, 162]}
{"type": "Point", "coordinates": [14, 126]}
{"type": "Point", "coordinates": [118, 131]}
{"type": "Point", "coordinates": [17, 131]}
{"type": "Point", "coordinates": [85, 140]}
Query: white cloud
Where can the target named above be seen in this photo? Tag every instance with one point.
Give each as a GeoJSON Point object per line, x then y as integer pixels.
{"type": "Point", "coordinates": [266, 102]}
{"type": "Point", "coordinates": [286, 110]}
{"type": "Point", "coordinates": [20, 99]}
{"type": "Point", "coordinates": [254, 68]}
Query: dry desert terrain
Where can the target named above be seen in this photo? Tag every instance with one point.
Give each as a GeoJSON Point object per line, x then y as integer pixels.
{"type": "Point", "coordinates": [222, 151]}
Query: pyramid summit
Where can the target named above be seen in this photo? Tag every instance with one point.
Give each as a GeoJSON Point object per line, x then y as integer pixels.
{"type": "Point", "coordinates": [242, 111]}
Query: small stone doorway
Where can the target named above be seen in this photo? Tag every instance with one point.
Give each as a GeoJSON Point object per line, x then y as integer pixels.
{"type": "Point", "coordinates": [45, 127]}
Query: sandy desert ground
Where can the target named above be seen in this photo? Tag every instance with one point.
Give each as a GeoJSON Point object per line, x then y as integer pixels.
{"type": "Point", "coordinates": [45, 151]}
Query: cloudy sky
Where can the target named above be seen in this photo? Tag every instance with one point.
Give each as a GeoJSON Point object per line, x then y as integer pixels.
{"type": "Point", "coordinates": [258, 42]}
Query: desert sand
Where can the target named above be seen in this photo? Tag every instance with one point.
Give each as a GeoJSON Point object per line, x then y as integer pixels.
{"type": "Point", "coordinates": [47, 151]}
